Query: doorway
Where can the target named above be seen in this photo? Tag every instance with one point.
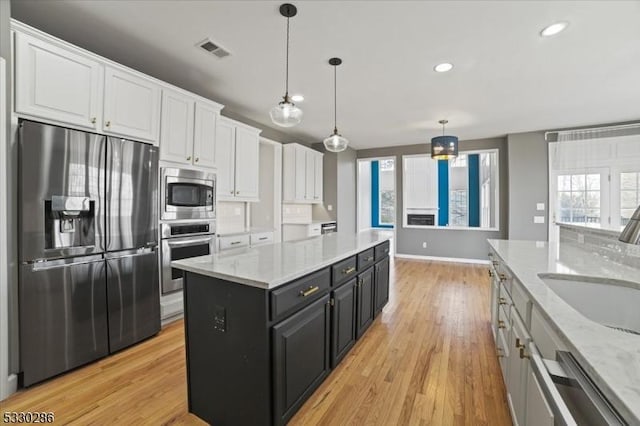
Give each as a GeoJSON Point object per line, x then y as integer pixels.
{"type": "Point", "coordinates": [376, 193]}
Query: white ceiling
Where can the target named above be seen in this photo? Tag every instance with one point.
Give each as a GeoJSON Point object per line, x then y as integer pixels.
{"type": "Point", "coordinates": [506, 77]}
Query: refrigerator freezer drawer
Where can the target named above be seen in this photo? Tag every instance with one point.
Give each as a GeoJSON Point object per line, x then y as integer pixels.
{"type": "Point", "coordinates": [63, 317]}
{"type": "Point", "coordinates": [133, 298]}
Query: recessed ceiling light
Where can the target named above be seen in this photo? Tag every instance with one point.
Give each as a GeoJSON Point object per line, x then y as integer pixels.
{"type": "Point", "coordinates": [554, 29]}
{"type": "Point", "coordinates": [444, 67]}
{"type": "Point", "coordinates": [297, 98]}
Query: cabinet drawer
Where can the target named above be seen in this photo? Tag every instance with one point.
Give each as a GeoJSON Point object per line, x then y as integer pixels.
{"type": "Point", "coordinates": [382, 250]}
{"type": "Point", "coordinates": [314, 230]}
{"type": "Point", "coordinates": [261, 238]}
{"type": "Point", "coordinates": [521, 302]}
{"type": "Point", "coordinates": [299, 293]}
{"type": "Point", "coordinates": [365, 259]}
{"type": "Point", "coordinates": [234, 241]}
{"type": "Point", "coordinates": [344, 270]}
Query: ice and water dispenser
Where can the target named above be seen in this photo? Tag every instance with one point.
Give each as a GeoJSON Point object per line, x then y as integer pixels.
{"type": "Point", "coordinates": [69, 222]}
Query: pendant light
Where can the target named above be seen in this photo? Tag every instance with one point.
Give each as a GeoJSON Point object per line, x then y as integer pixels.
{"type": "Point", "coordinates": [335, 142]}
{"type": "Point", "coordinates": [444, 147]}
{"type": "Point", "coordinates": [286, 113]}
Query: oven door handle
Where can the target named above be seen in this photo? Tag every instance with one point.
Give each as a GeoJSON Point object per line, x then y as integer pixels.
{"type": "Point", "coordinates": [190, 242]}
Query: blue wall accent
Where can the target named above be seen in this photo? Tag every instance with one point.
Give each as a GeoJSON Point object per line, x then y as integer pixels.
{"type": "Point", "coordinates": [474, 190]}
{"type": "Point", "coordinates": [443, 192]}
{"type": "Point", "coordinates": [375, 196]}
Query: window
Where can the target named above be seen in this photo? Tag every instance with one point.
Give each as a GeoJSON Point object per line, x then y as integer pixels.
{"type": "Point", "coordinates": [629, 195]}
{"type": "Point", "coordinates": [387, 207]}
{"type": "Point", "coordinates": [578, 198]}
{"type": "Point", "coordinates": [461, 193]}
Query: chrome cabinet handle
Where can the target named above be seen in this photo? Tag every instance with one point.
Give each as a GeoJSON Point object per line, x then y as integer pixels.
{"type": "Point", "coordinates": [309, 291]}
{"type": "Point", "coordinates": [262, 238]}
{"type": "Point", "coordinates": [233, 243]}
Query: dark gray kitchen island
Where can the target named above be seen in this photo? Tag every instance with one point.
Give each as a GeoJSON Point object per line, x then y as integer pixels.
{"type": "Point", "coordinates": [265, 326]}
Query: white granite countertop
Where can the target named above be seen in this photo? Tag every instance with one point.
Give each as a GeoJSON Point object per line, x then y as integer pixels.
{"type": "Point", "coordinates": [272, 265]}
{"type": "Point", "coordinates": [313, 222]}
{"type": "Point", "coordinates": [610, 357]}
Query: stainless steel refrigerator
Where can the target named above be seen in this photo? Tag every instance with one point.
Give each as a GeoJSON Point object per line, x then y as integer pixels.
{"type": "Point", "coordinates": [88, 283]}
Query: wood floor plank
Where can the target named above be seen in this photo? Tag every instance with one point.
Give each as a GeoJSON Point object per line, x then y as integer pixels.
{"type": "Point", "coordinates": [428, 359]}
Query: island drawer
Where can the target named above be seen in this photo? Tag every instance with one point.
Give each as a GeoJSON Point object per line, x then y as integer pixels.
{"type": "Point", "coordinates": [344, 270]}
{"type": "Point", "coordinates": [365, 259]}
{"type": "Point", "coordinates": [299, 293]}
{"type": "Point", "coordinates": [382, 250]}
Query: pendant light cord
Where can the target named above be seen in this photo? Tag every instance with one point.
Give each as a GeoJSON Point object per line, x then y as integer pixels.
{"type": "Point", "coordinates": [286, 78]}
{"type": "Point", "coordinates": [335, 99]}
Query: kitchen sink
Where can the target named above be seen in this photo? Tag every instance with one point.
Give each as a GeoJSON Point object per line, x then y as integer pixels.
{"type": "Point", "coordinates": [612, 303]}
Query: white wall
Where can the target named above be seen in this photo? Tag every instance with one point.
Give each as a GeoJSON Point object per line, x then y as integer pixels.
{"type": "Point", "coordinates": [364, 195]}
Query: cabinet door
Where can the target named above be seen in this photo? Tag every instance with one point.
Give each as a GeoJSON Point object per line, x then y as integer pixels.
{"type": "Point", "coordinates": [538, 412]}
{"type": "Point", "coordinates": [300, 357]}
{"type": "Point", "coordinates": [131, 105]}
{"type": "Point", "coordinates": [317, 188]}
{"type": "Point", "coordinates": [343, 321]}
{"type": "Point", "coordinates": [309, 175]}
{"type": "Point", "coordinates": [57, 83]}
{"type": "Point", "coordinates": [365, 311]}
{"type": "Point", "coordinates": [300, 173]}
{"type": "Point", "coordinates": [381, 284]}
{"type": "Point", "coordinates": [247, 164]}
{"type": "Point", "coordinates": [517, 371]}
{"type": "Point", "coordinates": [225, 159]}
{"type": "Point", "coordinates": [204, 135]}
{"type": "Point", "coordinates": [176, 131]}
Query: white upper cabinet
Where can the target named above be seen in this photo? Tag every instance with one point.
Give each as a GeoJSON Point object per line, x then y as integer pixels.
{"type": "Point", "coordinates": [237, 160]}
{"type": "Point", "coordinates": [225, 159]}
{"type": "Point", "coordinates": [317, 188]}
{"type": "Point", "coordinates": [204, 137]}
{"type": "Point", "coordinates": [57, 83]}
{"type": "Point", "coordinates": [301, 174]}
{"type": "Point", "coordinates": [176, 134]}
{"type": "Point", "coordinates": [131, 105]}
{"type": "Point", "coordinates": [310, 175]}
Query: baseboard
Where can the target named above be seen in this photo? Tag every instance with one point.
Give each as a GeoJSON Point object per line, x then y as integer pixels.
{"type": "Point", "coordinates": [171, 307]}
{"type": "Point", "coordinates": [443, 259]}
{"type": "Point", "coordinates": [10, 386]}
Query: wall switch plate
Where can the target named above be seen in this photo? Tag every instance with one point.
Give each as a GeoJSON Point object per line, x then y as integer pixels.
{"type": "Point", "coordinates": [329, 207]}
{"type": "Point", "coordinates": [538, 219]}
{"type": "Point", "coordinates": [540, 207]}
{"type": "Point", "coordinates": [424, 244]}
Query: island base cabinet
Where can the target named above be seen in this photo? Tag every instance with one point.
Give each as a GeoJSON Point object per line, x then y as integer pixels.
{"type": "Point", "coordinates": [365, 313]}
{"type": "Point", "coordinates": [227, 349]}
{"type": "Point", "coordinates": [381, 272]}
{"type": "Point", "coordinates": [300, 358]}
{"type": "Point", "coordinates": [343, 321]}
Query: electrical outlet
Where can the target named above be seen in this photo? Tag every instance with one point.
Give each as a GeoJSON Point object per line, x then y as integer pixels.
{"type": "Point", "coordinates": [329, 207]}
{"type": "Point", "coordinates": [538, 219]}
{"type": "Point", "coordinates": [540, 206]}
{"type": "Point", "coordinates": [424, 244]}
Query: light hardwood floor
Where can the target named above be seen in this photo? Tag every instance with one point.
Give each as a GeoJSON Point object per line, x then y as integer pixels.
{"type": "Point", "coordinates": [429, 359]}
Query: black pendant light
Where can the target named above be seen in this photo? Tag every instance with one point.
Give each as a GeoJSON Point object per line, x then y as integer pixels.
{"type": "Point", "coordinates": [444, 147]}
{"type": "Point", "coordinates": [335, 142]}
{"type": "Point", "coordinates": [286, 113]}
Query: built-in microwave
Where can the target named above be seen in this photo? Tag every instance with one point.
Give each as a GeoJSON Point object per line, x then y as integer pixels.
{"type": "Point", "coordinates": [187, 194]}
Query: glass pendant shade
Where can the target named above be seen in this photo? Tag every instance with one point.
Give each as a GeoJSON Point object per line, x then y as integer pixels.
{"type": "Point", "coordinates": [335, 143]}
{"type": "Point", "coordinates": [444, 147]}
{"type": "Point", "coordinates": [286, 114]}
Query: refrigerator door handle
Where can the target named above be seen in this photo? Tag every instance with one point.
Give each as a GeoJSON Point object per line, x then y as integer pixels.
{"type": "Point", "coordinates": [64, 263]}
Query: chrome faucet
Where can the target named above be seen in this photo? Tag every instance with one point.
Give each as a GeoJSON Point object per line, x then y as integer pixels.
{"type": "Point", "coordinates": [631, 233]}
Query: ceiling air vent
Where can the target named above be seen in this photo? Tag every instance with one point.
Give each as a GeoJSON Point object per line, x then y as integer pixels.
{"type": "Point", "coordinates": [211, 47]}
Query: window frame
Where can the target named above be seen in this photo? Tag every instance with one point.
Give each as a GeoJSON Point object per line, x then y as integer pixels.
{"type": "Point", "coordinates": [452, 228]}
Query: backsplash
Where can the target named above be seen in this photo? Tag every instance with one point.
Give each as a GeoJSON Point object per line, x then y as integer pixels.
{"type": "Point", "coordinates": [230, 217]}
{"type": "Point", "coordinates": [602, 242]}
{"type": "Point", "coordinates": [296, 213]}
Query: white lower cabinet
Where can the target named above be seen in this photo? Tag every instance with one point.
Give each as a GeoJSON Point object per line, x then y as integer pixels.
{"type": "Point", "coordinates": [233, 241]}
{"type": "Point", "coordinates": [514, 342]}
{"type": "Point", "coordinates": [260, 238]}
{"type": "Point", "coordinates": [300, 231]}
